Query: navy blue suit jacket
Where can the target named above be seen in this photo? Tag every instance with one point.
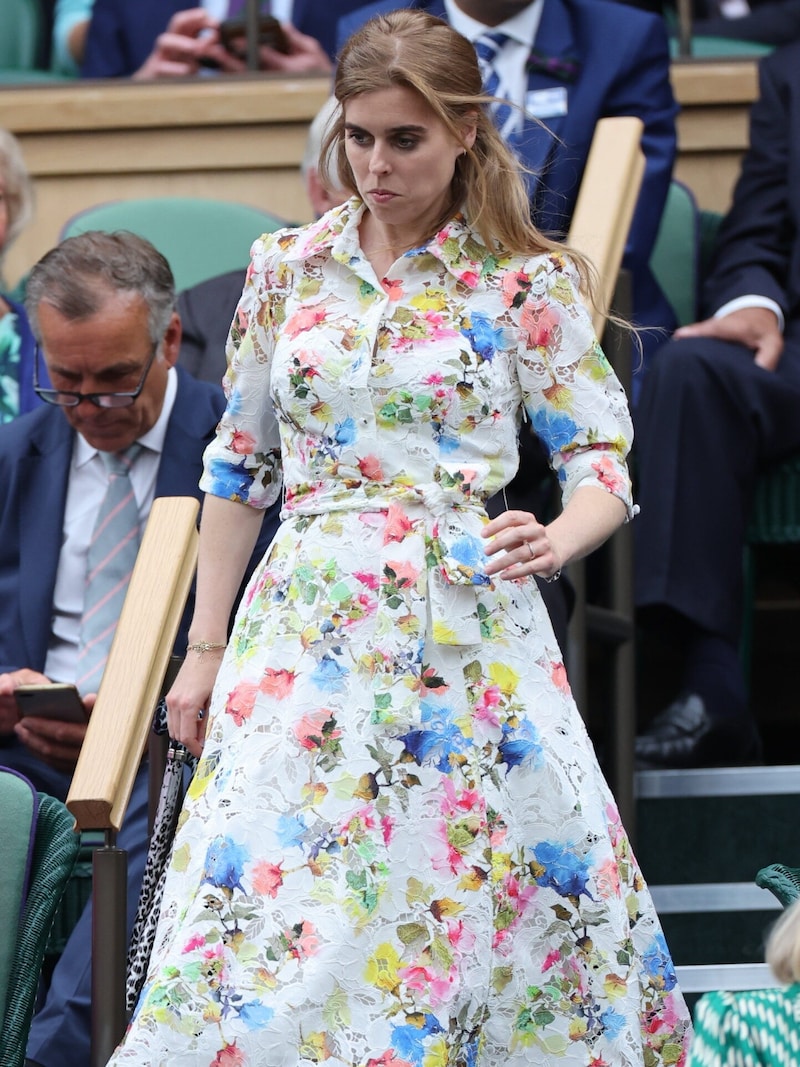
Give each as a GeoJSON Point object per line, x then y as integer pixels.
{"type": "Point", "coordinates": [35, 453]}
{"type": "Point", "coordinates": [122, 32]}
{"type": "Point", "coordinates": [758, 245]}
{"type": "Point", "coordinates": [621, 59]}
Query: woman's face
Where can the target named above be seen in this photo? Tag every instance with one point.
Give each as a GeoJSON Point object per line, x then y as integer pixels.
{"type": "Point", "coordinates": [402, 157]}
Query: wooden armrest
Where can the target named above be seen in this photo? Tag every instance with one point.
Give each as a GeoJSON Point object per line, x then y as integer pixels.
{"type": "Point", "coordinates": [143, 642]}
{"type": "Point", "coordinates": [606, 201]}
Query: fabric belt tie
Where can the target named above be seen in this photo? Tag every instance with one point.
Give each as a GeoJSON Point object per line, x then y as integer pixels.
{"type": "Point", "coordinates": [431, 566]}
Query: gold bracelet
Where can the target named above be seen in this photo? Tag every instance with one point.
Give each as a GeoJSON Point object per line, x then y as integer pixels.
{"type": "Point", "coordinates": [201, 647]}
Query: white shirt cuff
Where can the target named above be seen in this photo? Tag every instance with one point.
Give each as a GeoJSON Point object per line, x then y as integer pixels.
{"type": "Point", "coordinates": [751, 302]}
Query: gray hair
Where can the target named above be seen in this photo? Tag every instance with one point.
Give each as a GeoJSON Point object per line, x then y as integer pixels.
{"type": "Point", "coordinates": [316, 134]}
{"type": "Point", "coordinates": [18, 187]}
{"type": "Point", "coordinates": [76, 275]}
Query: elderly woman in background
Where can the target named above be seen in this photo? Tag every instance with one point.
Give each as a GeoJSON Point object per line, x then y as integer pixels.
{"type": "Point", "coordinates": [16, 339]}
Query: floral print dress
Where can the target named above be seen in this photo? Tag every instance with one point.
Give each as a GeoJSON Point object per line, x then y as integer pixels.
{"type": "Point", "coordinates": [398, 849]}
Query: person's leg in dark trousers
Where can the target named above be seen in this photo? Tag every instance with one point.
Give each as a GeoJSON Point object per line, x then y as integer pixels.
{"type": "Point", "coordinates": [707, 420]}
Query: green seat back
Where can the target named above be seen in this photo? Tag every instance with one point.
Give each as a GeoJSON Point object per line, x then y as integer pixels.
{"type": "Point", "coordinates": [722, 48]}
{"type": "Point", "coordinates": [55, 850]}
{"type": "Point", "coordinates": [20, 34]}
{"type": "Point", "coordinates": [200, 238]}
{"type": "Point", "coordinates": [675, 257]}
{"type": "Point", "coordinates": [18, 807]}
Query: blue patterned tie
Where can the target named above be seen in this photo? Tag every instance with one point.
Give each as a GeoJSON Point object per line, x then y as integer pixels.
{"type": "Point", "coordinates": [488, 46]}
{"type": "Point", "coordinates": [110, 560]}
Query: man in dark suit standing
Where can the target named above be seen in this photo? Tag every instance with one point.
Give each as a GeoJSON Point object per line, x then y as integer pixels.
{"type": "Point", "coordinates": [102, 308]}
{"type": "Point", "coordinates": [566, 64]}
{"type": "Point", "coordinates": [721, 400]}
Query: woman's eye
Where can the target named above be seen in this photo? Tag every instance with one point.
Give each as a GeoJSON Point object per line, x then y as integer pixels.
{"type": "Point", "coordinates": [407, 142]}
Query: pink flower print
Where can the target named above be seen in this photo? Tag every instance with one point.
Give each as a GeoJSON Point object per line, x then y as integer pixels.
{"type": "Point", "coordinates": [608, 884]}
{"type": "Point", "coordinates": [309, 731]}
{"type": "Point", "coordinates": [397, 526]}
{"type": "Point", "coordinates": [371, 581]}
{"type": "Point", "coordinates": [437, 378]}
{"type": "Point", "coordinates": [551, 959]}
{"type": "Point", "coordinates": [242, 443]}
{"type": "Point", "coordinates": [267, 878]}
{"type": "Point", "coordinates": [461, 937]}
{"type": "Point", "coordinates": [307, 943]}
{"type": "Point", "coordinates": [538, 321]}
{"type": "Point", "coordinates": [558, 676]}
{"type": "Point", "coordinates": [514, 283]}
{"type": "Point", "coordinates": [277, 683]}
{"type": "Point", "coordinates": [388, 1059]}
{"type": "Point", "coordinates": [486, 703]}
{"type": "Point", "coordinates": [304, 319]}
{"type": "Point", "coordinates": [405, 572]}
{"type": "Point", "coordinates": [439, 330]}
{"type": "Point", "coordinates": [370, 467]}
{"type": "Point", "coordinates": [197, 941]}
{"type": "Point", "coordinates": [393, 289]}
{"type": "Point", "coordinates": [387, 826]}
{"type": "Point", "coordinates": [609, 476]}
{"type": "Point", "coordinates": [470, 278]}
{"type": "Point", "coordinates": [241, 701]}
{"type": "Point", "coordinates": [230, 1056]}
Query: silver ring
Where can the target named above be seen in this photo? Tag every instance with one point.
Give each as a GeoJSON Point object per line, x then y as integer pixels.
{"type": "Point", "coordinates": [201, 713]}
{"type": "Point", "coordinates": [530, 549]}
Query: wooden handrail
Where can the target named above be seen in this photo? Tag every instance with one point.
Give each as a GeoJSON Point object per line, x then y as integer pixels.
{"type": "Point", "coordinates": [606, 201]}
{"type": "Point", "coordinates": [122, 716]}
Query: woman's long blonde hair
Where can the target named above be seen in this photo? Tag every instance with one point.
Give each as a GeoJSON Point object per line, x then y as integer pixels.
{"type": "Point", "coordinates": [420, 52]}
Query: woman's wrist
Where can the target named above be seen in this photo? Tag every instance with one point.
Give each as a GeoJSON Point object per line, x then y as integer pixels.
{"type": "Point", "coordinates": [200, 648]}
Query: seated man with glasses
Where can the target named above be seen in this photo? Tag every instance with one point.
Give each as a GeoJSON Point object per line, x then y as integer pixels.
{"type": "Point", "coordinates": [76, 487]}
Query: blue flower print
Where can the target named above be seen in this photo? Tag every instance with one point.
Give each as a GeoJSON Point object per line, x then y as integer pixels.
{"type": "Point", "coordinates": [224, 863]}
{"type": "Point", "coordinates": [520, 745]}
{"type": "Point", "coordinates": [612, 1022]}
{"type": "Point", "coordinates": [329, 675]}
{"type": "Point", "coordinates": [255, 1015]}
{"type": "Point", "coordinates": [231, 483]}
{"type": "Point", "coordinates": [555, 428]}
{"type": "Point", "coordinates": [441, 739]}
{"type": "Point", "coordinates": [484, 339]}
{"type": "Point", "coordinates": [291, 831]}
{"type": "Point", "coordinates": [408, 1042]}
{"type": "Point", "coordinates": [658, 965]}
{"type": "Point", "coordinates": [345, 432]}
{"type": "Point", "coordinates": [564, 871]}
{"type": "Point", "coordinates": [469, 552]}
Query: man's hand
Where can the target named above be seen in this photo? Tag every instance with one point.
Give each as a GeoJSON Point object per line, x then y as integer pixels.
{"type": "Point", "coordinates": [755, 328]}
{"type": "Point", "coordinates": [305, 56]}
{"type": "Point", "coordinates": [9, 715]}
{"type": "Point", "coordinates": [56, 743]}
{"type": "Point", "coordinates": [190, 40]}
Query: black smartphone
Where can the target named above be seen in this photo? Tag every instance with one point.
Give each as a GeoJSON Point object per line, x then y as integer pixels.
{"type": "Point", "coordinates": [233, 34]}
{"type": "Point", "coordinates": [58, 700]}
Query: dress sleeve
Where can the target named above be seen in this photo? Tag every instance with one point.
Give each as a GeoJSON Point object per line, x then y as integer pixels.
{"type": "Point", "coordinates": [242, 463]}
{"type": "Point", "coordinates": [575, 402]}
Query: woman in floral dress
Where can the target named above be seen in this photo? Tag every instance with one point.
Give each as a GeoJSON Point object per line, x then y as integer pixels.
{"type": "Point", "coordinates": [398, 849]}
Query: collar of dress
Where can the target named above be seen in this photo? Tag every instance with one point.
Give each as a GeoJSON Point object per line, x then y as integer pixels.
{"type": "Point", "coordinates": [456, 245]}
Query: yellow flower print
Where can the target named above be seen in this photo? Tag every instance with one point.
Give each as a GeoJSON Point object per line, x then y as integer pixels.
{"type": "Point", "coordinates": [381, 970]}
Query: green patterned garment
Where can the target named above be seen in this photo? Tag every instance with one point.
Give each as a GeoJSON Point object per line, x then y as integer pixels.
{"type": "Point", "coordinates": [9, 367]}
{"type": "Point", "coordinates": [760, 1028]}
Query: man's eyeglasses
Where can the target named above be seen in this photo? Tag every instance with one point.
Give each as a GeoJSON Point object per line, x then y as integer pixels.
{"type": "Point", "coordinates": [65, 398]}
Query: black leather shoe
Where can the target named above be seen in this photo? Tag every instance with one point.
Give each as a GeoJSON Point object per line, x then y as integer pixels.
{"type": "Point", "coordinates": [685, 735]}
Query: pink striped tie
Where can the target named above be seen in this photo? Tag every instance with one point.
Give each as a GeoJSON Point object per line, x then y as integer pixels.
{"type": "Point", "coordinates": [110, 560]}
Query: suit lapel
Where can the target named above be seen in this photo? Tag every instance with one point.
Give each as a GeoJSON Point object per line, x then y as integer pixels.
{"type": "Point", "coordinates": [44, 474]}
{"type": "Point", "coordinates": [554, 41]}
